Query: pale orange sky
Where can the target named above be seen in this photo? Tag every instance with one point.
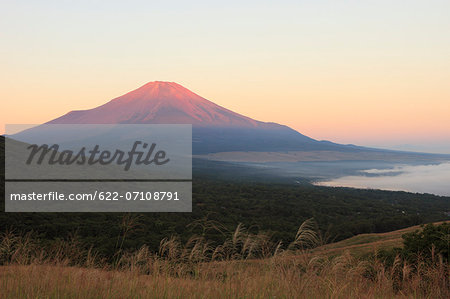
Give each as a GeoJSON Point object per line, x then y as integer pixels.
{"type": "Point", "coordinates": [374, 73]}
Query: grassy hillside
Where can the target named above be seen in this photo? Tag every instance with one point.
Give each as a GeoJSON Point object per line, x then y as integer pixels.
{"type": "Point", "coordinates": [66, 271]}
{"type": "Point", "coordinates": [364, 244]}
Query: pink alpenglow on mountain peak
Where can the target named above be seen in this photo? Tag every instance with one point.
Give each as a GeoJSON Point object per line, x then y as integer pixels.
{"type": "Point", "coordinates": [161, 103]}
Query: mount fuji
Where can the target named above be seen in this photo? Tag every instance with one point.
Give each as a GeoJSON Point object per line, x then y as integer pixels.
{"type": "Point", "coordinates": [162, 103]}
{"type": "Point", "coordinates": [215, 128]}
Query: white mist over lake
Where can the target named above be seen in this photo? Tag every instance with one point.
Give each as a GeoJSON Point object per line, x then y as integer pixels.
{"type": "Point", "coordinates": [433, 179]}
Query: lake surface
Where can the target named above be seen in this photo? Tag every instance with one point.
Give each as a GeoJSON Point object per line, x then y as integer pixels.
{"type": "Point", "coordinates": [433, 179]}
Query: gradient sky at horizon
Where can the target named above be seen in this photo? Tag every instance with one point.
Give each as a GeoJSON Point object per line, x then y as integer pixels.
{"type": "Point", "coordinates": [373, 73]}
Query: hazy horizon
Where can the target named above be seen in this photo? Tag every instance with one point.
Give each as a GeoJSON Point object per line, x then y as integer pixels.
{"type": "Point", "coordinates": [437, 147]}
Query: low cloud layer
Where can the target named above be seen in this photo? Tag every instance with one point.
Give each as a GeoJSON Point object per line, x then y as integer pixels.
{"type": "Point", "coordinates": [421, 179]}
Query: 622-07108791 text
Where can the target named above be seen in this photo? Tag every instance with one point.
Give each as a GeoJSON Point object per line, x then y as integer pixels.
{"type": "Point", "coordinates": [158, 195]}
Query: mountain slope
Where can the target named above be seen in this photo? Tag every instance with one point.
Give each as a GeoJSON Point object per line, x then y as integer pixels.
{"type": "Point", "coordinates": [368, 243]}
{"type": "Point", "coordinates": [162, 102]}
{"type": "Point", "coordinates": [215, 128]}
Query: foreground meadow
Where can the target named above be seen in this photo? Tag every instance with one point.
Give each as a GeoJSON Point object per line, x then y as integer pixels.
{"type": "Point", "coordinates": [246, 266]}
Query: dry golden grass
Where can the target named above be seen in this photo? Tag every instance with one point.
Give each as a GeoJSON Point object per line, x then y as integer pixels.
{"type": "Point", "coordinates": [244, 266]}
{"type": "Point", "coordinates": [299, 277]}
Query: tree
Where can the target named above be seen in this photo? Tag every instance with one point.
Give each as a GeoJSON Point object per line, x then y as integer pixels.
{"type": "Point", "coordinates": [429, 242]}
